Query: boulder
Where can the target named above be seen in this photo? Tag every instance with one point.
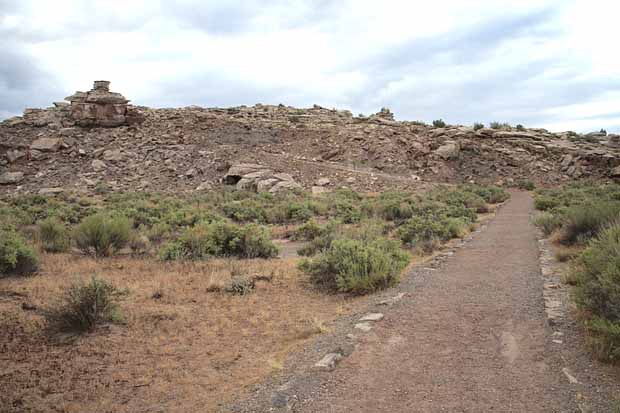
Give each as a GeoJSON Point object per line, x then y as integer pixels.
{"type": "Point", "coordinates": [14, 155]}
{"type": "Point", "coordinates": [615, 172]}
{"type": "Point", "coordinates": [516, 134]}
{"type": "Point", "coordinates": [450, 150]}
{"type": "Point", "coordinates": [112, 155]}
{"type": "Point", "coordinates": [98, 165]}
{"type": "Point", "coordinates": [50, 191]}
{"type": "Point", "coordinates": [254, 177]}
{"type": "Point", "coordinates": [46, 144]}
{"type": "Point", "coordinates": [323, 182]}
{"type": "Point", "coordinates": [237, 172]}
{"type": "Point", "coordinates": [11, 178]}
{"type": "Point", "coordinates": [316, 190]}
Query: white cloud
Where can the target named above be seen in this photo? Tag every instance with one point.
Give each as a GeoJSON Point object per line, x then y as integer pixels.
{"type": "Point", "coordinates": [531, 62]}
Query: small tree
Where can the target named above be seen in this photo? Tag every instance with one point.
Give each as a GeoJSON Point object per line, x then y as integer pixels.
{"type": "Point", "coordinates": [439, 123]}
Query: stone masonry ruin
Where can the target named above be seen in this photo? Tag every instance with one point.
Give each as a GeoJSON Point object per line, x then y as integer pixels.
{"type": "Point", "coordinates": [98, 107]}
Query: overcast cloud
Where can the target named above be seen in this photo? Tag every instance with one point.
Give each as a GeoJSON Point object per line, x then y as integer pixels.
{"type": "Point", "coordinates": [550, 64]}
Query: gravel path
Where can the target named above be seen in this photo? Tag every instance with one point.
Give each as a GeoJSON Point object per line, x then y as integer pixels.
{"type": "Point", "coordinates": [469, 336]}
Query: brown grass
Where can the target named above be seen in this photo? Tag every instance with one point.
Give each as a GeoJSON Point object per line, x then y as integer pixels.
{"type": "Point", "coordinates": [190, 350]}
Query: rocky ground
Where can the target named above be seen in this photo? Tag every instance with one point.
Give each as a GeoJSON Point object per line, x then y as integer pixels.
{"type": "Point", "coordinates": [191, 149]}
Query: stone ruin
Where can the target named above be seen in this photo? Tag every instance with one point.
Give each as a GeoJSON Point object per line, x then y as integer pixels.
{"type": "Point", "coordinates": [99, 107]}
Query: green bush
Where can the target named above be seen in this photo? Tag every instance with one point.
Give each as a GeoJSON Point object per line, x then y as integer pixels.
{"type": "Point", "coordinates": [16, 257]}
{"type": "Point", "coordinates": [394, 209]}
{"type": "Point", "coordinates": [545, 203]}
{"type": "Point", "coordinates": [597, 291]}
{"type": "Point", "coordinates": [347, 211]}
{"type": "Point", "coordinates": [526, 184]}
{"type": "Point", "coordinates": [85, 306]}
{"type": "Point", "coordinates": [221, 239]}
{"type": "Point", "coordinates": [520, 128]}
{"type": "Point", "coordinates": [583, 222]}
{"type": "Point", "coordinates": [478, 126]}
{"type": "Point", "coordinates": [247, 210]}
{"type": "Point", "coordinates": [54, 235]}
{"type": "Point", "coordinates": [500, 125]}
{"type": "Point", "coordinates": [357, 266]}
{"type": "Point", "coordinates": [102, 235]}
{"type": "Point", "coordinates": [420, 231]}
{"type": "Point", "coordinates": [439, 123]}
{"type": "Point", "coordinates": [309, 231]}
{"type": "Point", "coordinates": [547, 222]}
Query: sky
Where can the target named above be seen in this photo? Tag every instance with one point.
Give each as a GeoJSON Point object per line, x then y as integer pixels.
{"type": "Point", "coordinates": [545, 63]}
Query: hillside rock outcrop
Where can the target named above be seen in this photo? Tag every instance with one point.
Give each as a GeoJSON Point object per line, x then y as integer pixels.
{"type": "Point", "coordinates": [192, 148]}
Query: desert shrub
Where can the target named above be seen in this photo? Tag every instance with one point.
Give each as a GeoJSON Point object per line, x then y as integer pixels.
{"type": "Point", "coordinates": [84, 306]}
{"type": "Point", "coordinates": [419, 231]}
{"type": "Point", "coordinates": [439, 123]}
{"type": "Point", "coordinates": [220, 239]}
{"type": "Point", "coordinates": [139, 243]}
{"type": "Point", "coordinates": [547, 222]}
{"type": "Point", "coordinates": [347, 211]}
{"type": "Point", "coordinates": [16, 257]}
{"type": "Point", "coordinates": [368, 230]}
{"type": "Point", "coordinates": [526, 184]}
{"type": "Point", "coordinates": [520, 128]}
{"type": "Point", "coordinates": [490, 194]}
{"type": "Point", "coordinates": [309, 231]}
{"type": "Point", "coordinates": [357, 266]}
{"type": "Point", "coordinates": [158, 232]}
{"type": "Point", "coordinates": [54, 235]}
{"type": "Point", "coordinates": [247, 210]}
{"type": "Point", "coordinates": [102, 235]}
{"type": "Point", "coordinates": [478, 126]}
{"type": "Point", "coordinates": [545, 203]}
{"type": "Point", "coordinates": [597, 292]}
{"type": "Point", "coordinates": [240, 286]}
{"type": "Point", "coordinates": [500, 125]}
{"type": "Point", "coordinates": [583, 222]}
{"type": "Point", "coordinates": [298, 212]}
{"type": "Point", "coordinates": [394, 208]}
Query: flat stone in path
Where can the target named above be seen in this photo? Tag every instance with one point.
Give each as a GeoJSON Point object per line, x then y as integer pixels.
{"type": "Point", "coordinates": [329, 361]}
{"type": "Point", "coordinates": [372, 317]}
{"type": "Point", "coordinates": [365, 327]}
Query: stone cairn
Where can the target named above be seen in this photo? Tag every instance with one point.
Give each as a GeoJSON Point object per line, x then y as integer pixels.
{"type": "Point", "coordinates": [98, 107]}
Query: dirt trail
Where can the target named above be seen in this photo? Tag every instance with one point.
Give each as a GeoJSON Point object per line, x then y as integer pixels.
{"type": "Point", "coordinates": [470, 338]}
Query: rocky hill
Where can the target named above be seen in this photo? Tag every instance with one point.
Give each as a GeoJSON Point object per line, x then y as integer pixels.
{"type": "Point", "coordinates": [68, 146]}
